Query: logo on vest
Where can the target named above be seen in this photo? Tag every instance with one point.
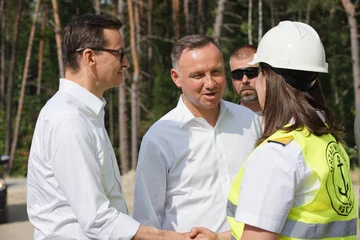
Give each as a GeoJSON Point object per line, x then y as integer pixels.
{"type": "Point", "coordinates": [338, 184]}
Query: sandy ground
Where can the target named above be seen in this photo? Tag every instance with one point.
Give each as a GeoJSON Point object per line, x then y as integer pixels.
{"type": "Point", "coordinates": [19, 228]}
{"type": "Point", "coordinates": [128, 181]}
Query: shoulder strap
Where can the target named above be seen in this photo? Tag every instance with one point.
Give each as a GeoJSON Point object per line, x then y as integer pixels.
{"type": "Point", "coordinates": [281, 140]}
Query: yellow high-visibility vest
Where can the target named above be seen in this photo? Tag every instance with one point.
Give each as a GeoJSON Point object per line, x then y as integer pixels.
{"type": "Point", "coordinates": [333, 212]}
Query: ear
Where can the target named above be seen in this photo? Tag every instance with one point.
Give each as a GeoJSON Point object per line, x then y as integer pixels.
{"type": "Point", "coordinates": [89, 57]}
{"type": "Point", "coordinates": [175, 77]}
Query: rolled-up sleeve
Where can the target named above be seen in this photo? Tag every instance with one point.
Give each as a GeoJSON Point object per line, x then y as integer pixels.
{"type": "Point", "coordinates": [78, 174]}
{"type": "Point", "coordinates": [150, 184]}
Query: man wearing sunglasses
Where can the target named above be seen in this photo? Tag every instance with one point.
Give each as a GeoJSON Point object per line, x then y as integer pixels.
{"type": "Point", "coordinates": [244, 76]}
{"type": "Point", "coordinates": [74, 184]}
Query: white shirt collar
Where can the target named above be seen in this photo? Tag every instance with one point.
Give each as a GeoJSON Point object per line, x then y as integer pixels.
{"type": "Point", "coordinates": [187, 115]}
{"type": "Point", "coordinates": [83, 95]}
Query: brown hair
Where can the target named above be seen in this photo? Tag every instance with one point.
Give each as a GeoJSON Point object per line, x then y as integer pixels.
{"type": "Point", "coordinates": [86, 31]}
{"type": "Point", "coordinates": [190, 42]}
{"type": "Point", "coordinates": [284, 103]}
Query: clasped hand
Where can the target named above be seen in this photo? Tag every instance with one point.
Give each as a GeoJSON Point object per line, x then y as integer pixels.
{"type": "Point", "coordinates": [198, 233]}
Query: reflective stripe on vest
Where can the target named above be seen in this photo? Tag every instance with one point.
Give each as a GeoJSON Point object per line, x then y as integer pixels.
{"type": "Point", "coordinates": [296, 229]}
{"type": "Point", "coordinates": [230, 209]}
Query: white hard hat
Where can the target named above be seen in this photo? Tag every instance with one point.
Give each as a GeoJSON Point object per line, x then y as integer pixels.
{"type": "Point", "coordinates": [292, 45]}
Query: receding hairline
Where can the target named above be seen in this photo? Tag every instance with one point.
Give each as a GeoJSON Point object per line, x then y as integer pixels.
{"type": "Point", "coordinates": [243, 52]}
{"type": "Point", "coordinates": [194, 41]}
{"type": "Point", "coordinates": [184, 51]}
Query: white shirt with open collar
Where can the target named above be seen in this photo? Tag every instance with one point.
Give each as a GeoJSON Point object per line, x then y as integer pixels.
{"type": "Point", "coordinates": [74, 185]}
{"type": "Point", "coordinates": [186, 166]}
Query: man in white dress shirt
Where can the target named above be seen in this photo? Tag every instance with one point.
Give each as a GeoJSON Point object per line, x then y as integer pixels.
{"type": "Point", "coordinates": [189, 157]}
{"type": "Point", "coordinates": [74, 184]}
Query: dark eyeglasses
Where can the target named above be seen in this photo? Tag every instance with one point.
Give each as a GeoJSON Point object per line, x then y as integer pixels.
{"type": "Point", "coordinates": [250, 72]}
{"type": "Point", "coordinates": [120, 51]}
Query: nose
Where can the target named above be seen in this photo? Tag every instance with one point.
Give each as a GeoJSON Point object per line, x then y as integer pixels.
{"type": "Point", "coordinates": [209, 82]}
{"type": "Point", "coordinates": [125, 62]}
{"type": "Point", "coordinates": [245, 80]}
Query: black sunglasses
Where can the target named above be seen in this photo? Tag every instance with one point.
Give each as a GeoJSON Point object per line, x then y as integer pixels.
{"type": "Point", "coordinates": [120, 51]}
{"type": "Point", "coordinates": [250, 72]}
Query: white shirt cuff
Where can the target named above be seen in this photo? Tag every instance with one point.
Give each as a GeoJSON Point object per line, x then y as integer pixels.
{"type": "Point", "coordinates": [125, 228]}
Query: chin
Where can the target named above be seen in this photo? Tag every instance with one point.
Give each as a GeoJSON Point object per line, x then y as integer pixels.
{"type": "Point", "coordinates": [118, 82]}
{"type": "Point", "coordinates": [249, 98]}
{"type": "Point", "coordinates": [210, 105]}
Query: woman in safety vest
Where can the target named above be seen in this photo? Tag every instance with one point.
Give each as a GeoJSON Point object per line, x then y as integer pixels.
{"type": "Point", "coordinates": [296, 183]}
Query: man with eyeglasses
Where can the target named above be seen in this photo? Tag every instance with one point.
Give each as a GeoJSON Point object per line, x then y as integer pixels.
{"type": "Point", "coordinates": [244, 76]}
{"type": "Point", "coordinates": [74, 184]}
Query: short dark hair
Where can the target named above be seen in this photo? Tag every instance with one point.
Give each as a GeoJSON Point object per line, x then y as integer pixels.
{"type": "Point", "coordinates": [244, 52]}
{"type": "Point", "coordinates": [190, 42]}
{"type": "Point", "coordinates": [86, 31]}
{"type": "Point", "coordinates": [283, 103]}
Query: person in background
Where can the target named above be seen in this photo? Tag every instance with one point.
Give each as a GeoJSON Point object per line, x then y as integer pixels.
{"type": "Point", "coordinates": [296, 184]}
{"type": "Point", "coordinates": [244, 76]}
{"type": "Point", "coordinates": [357, 133]}
{"type": "Point", "coordinates": [73, 183]}
{"type": "Point", "coordinates": [189, 157]}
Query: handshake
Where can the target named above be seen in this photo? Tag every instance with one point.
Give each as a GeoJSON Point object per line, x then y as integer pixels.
{"type": "Point", "coordinates": [202, 233]}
